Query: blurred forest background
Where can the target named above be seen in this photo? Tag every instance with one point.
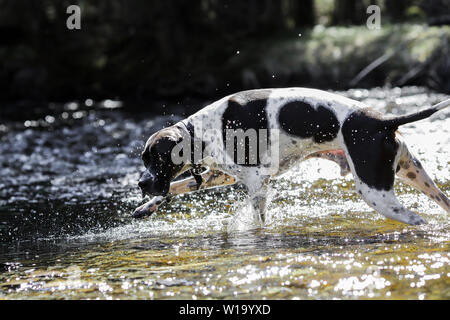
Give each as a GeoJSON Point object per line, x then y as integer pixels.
{"type": "Point", "coordinates": [184, 51]}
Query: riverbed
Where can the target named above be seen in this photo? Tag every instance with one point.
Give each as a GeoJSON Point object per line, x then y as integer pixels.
{"type": "Point", "coordinates": [68, 186]}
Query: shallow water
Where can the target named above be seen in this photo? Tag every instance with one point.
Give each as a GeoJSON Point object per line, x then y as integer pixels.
{"type": "Point", "coordinates": [68, 186]}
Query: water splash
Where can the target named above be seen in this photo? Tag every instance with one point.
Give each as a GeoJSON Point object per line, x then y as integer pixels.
{"type": "Point", "coordinates": [68, 186]}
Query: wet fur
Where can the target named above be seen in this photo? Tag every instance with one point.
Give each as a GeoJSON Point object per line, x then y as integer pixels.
{"type": "Point", "coordinates": [312, 123]}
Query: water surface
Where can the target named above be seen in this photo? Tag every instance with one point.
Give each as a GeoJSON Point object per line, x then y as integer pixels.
{"type": "Point", "coordinates": [68, 187]}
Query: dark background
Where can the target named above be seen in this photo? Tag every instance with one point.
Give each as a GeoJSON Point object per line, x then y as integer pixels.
{"type": "Point", "coordinates": [148, 53]}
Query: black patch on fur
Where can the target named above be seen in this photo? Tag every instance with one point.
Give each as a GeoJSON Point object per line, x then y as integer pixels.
{"type": "Point", "coordinates": [302, 120]}
{"type": "Point", "coordinates": [190, 128]}
{"type": "Point", "coordinates": [246, 110]}
{"type": "Point", "coordinates": [372, 149]}
{"type": "Point", "coordinates": [411, 175]}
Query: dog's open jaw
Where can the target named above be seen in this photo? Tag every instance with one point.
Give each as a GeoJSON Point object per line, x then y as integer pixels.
{"type": "Point", "coordinates": [209, 179]}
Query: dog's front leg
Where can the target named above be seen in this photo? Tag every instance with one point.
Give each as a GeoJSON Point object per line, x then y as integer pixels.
{"type": "Point", "coordinates": [210, 179]}
{"type": "Point", "coordinates": [259, 204]}
{"type": "Point", "coordinates": [257, 190]}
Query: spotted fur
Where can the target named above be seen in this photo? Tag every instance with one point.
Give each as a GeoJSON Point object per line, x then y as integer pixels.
{"type": "Point", "coordinates": [310, 123]}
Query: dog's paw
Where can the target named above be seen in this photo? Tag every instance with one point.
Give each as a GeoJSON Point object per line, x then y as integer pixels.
{"type": "Point", "coordinates": [148, 208]}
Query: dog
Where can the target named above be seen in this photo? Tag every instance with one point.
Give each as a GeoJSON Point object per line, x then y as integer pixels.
{"type": "Point", "coordinates": [308, 123]}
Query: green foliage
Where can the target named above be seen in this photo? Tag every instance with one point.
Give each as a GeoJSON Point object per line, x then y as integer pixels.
{"type": "Point", "coordinates": [144, 49]}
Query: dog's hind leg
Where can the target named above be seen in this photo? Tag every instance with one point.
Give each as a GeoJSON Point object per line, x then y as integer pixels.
{"type": "Point", "coordinates": [410, 171]}
{"type": "Point", "coordinates": [377, 190]}
{"type": "Point", "coordinates": [210, 179]}
{"type": "Point", "coordinates": [373, 154]}
{"type": "Point", "coordinates": [386, 203]}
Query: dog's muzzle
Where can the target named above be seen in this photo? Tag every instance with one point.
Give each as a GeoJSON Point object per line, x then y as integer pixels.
{"type": "Point", "coordinates": [152, 187]}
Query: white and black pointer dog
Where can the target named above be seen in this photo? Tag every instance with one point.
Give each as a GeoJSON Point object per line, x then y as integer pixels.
{"type": "Point", "coordinates": [309, 123]}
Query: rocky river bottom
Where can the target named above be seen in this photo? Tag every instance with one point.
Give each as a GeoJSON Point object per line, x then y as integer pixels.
{"type": "Point", "coordinates": [68, 186]}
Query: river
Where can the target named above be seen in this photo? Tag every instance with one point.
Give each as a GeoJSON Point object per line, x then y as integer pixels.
{"type": "Point", "coordinates": [68, 186]}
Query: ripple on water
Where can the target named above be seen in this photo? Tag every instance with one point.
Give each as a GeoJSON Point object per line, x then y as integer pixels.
{"type": "Point", "coordinates": [67, 191]}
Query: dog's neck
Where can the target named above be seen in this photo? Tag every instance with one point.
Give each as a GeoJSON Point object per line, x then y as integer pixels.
{"type": "Point", "coordinates": [187, 130]}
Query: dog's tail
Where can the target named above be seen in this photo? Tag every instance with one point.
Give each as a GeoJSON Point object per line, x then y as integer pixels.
{"type": "Point", "coordinates": [393, 123]}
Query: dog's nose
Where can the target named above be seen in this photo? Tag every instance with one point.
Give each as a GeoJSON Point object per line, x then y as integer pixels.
{"type": "Point", "coordinates": [143, 184]}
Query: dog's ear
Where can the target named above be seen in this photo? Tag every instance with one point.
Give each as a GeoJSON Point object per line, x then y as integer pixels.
{"type": "Point", "coordinates": [146, 153]}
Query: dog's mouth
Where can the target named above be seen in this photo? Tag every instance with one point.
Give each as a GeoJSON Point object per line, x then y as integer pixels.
{"type": "Point", "coordinates": [155, 193]}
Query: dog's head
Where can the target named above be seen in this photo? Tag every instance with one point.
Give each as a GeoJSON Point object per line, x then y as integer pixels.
{"type": "Point", "coordinates": [157, 157]}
